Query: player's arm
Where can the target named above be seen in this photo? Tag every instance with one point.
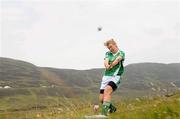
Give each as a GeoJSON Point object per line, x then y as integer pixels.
{"type": "Point", "coordinates": [106, 63]}
{"type": "Point", "coordinates": [116, 61]}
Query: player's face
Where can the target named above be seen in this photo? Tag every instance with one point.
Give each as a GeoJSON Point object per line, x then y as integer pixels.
{"type": "Point", "coordinates": [112, 48]}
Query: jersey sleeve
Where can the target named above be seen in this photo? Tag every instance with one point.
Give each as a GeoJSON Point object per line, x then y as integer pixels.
{"type": "Point", "coordinates": [106, 55]}
{"type": "Point", "coordinates": [122, 54]}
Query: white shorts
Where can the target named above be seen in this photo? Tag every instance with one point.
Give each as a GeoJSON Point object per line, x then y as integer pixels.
{"type": "Point", "coordinates": [107, 79]}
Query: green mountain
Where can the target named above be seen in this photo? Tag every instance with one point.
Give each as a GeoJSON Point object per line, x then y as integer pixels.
{"type": "Point", "coordinates": [138, 80]}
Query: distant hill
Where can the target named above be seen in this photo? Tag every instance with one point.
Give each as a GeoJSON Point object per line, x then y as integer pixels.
{"type": "Point", "coordinates": [139, 78]}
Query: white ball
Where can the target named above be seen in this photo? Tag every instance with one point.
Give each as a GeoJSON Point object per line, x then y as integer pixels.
{"type": "Point", "coordinates": [99, 28]}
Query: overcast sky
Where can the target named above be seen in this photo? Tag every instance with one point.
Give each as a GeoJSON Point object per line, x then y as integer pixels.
{"type": "Point", "coordinates": [63, 34]}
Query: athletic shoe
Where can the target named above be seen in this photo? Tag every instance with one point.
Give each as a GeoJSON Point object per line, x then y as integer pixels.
{"type": "Point", "coordinates": [112, 109]}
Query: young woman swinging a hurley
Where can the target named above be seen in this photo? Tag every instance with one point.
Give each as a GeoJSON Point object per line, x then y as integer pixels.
{"type": "Point", "coordinates": [111, 79]}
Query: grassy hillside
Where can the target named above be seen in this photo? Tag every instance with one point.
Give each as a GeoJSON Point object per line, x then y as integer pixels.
{"type": "Point", "coordinates": [138, 80]}
{"type": "Point", "coordinates": [166, 107]}
{"type": "Point", "coordinates": [18, 74]}
{"type": "Point", "coordinates": [41, 92]}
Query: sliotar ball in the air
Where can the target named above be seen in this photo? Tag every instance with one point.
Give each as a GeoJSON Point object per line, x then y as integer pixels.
{"type": "Point", "coordinates": [99, 28]}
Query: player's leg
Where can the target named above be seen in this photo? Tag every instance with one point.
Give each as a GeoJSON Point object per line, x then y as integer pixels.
{"type": "Point", "coordinates": [101, 96]}
{"type": "Point", "coordinates": [107, 93]}
{"type": "Point", "coordinates": [115, 82]}
{"type": "Point", "coordinates": [104, 83]}
{"type": "Point", "coordinates": [101, 93]}
{"type": "Point", "coordinates": [106, 100]}
{"type": "Point", "coordinates": [107, 105]}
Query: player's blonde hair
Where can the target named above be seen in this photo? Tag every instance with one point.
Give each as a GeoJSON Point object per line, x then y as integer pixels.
{"type": "Point", "coordinates": [111, 41]}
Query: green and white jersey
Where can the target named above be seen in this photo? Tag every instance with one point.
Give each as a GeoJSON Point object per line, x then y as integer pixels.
{"type": "Point", "coordinates": [118, 69]}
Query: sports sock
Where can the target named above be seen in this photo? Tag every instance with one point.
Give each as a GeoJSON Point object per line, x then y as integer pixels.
{"type": "Point", "coordinates": [105, 108]}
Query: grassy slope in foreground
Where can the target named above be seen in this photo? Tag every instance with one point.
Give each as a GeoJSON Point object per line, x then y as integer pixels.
{"type": "Point", "coordinates": [157, 108]}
